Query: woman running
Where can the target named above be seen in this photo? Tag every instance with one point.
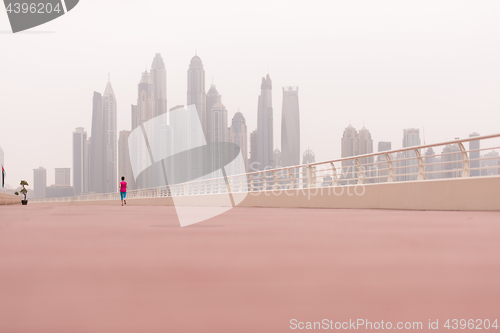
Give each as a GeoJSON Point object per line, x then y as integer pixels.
{"type": "Point", "coordinates": [123, 191]}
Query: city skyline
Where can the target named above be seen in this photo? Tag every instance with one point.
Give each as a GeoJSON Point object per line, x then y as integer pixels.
{"type": "Point", "coordinates": [445, 64]}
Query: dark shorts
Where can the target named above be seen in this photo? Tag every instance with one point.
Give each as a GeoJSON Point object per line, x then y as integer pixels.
{"type": "Point", "coordinates": [123, 195]}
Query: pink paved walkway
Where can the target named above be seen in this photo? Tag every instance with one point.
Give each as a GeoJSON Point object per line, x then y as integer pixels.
{"type": "Point", "coordinates": [132, 269]}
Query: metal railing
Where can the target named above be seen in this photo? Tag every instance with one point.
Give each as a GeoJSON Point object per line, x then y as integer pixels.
{"type": "Point", "coordinates": [406, 164]}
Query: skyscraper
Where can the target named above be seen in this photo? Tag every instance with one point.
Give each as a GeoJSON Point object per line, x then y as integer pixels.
{"type": "Point", "coordinates": [411, 137]}
{"type": "Point", "coordinates": [213, 97]}
{"type": "Point", "coordinates": [350, 147]}
{"type": "Point", "coordinates": [63, 176]}
{"type": "Point", "coordinates": [474, 155]}
{"type": "Point", "coordinates": [39, 182]}
{"type": "Point", "coordinates": [124, 166]}
{"type": "Point", "coordinates": [308, 157]}
{"type": "Point", "coordinates": [219, 133]}
{"type": "Point", "coordinates": [196, 89]}
{"type": "Point", "coordinates": [452, 155]}
{"type": "Point", "coordinates": [110, 114]}
{"type": "Point", "coordinates": [365, 146]}
{"type": "Point", "coordinates": [80, 161]}
{"type": "Point", "coordinates": [145, 108]}
{"type": "Point", "coordinates": [290, 127]}
{"type": "Point", "coordinates": [264, 134]}
{"type": "Point", "coordinates": [98, 147]}
{"type": "Point", "coordinates": [159, 78]}
{"type": "Point", "coordinates": [238, 136]}
{"type": "Point", "coordinates": [383, 171]}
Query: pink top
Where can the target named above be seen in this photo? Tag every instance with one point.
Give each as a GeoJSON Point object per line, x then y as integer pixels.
{"type": "Point", "coordinates": [123, 186]}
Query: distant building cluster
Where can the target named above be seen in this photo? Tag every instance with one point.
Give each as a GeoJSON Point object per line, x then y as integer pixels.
{"type": "Point", "coordinates": [101, 159]}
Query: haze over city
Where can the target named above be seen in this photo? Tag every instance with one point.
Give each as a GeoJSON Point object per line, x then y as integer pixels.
{"type": "Point", "coordinates": [381, 65]}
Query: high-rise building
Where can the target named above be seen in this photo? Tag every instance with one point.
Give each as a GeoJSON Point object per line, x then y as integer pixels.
{"type": "Point", "coordinates": [238, 136]}
{"type": "Point", "coordinates": [219, 133]}
{"type": "Point", "coordinates": [382, 168]}
{"type": "Point", "coordinates": [109, 109]}
{"type": "Point", "coordinates": [196, 89]}
{"type": "Point", "coordinates": [411, 138]}
{"type": "Point", "coordinates": [80, 161]}
{"type": "Point", "coordinates": [124, 165]}
{"type": "Point", "coordinates": [253, 163]}
{"type": "Point", "coordinates": [350, 147]}
{"type": "Point", "coordinates": [98, 147]}
{"type": "Point", "coordinates": [432, 168]}
{"type": "Point", "coordinates": [365, 146]}
{"type": "Point", "coordinates": [490, 164]}
{"type": "Point", "coordinates": [290, 127]}
{"type": "Point", "coordinates": [145, 108]}
{"type": "Point", "coordinates": [474, 155]}
{"type": "Point", "coordinates": [452, 161]}
{"type": "Point", "coordinates": [308, 157]}
{"type": "Point", "coordinates": [264, 134]}
{"type": "Point", "coordinates": [159, 78]}
{"type": "Point", "coordinates": [63, 176]}
{"type": "Point", "coordinates": [213, 97]}
{"type": "Point", "coordinates": [39, 182]}
{"type": "Point", "coordinates": [103, 146]}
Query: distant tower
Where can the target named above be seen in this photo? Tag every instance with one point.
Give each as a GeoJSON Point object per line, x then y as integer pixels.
{"type": "Point", "coordinates": [411, 137]}
{"type": "Point", "coordinates": [124, 165]}
{"type": "Point", "coordinates": [63, 176]}
{"type": "Point", "coordinates": [213, 97]}
{"type": "Point", "coordinates": [80, 161]}
{"type": "Point", "coordinates": [453, 168]}
{"type": "Point", "coordinates": [39, 182]}
{"type": "Point", "coordinates": [110, 113]}
{"type": "Point", "coordinates": [474, 155]}
{"type": "Point", "coordinates": [196, 89]}
{"type": "Point", "coordinates": [350, 147]}
{"type": "Point", "coordinates": [253, 159]}
{"type": "Point", "coordinates": [308, 157]}
{"type": "Point", "coordinates": [383, 167]}
{"type": "Point", "coordinates": [431, 168]}
{"type": "Point", "coordinates": [159, 78]}
{"type": "Point", "coordinates": [98, 149]}
{"type": "Point", "coordinates": [145, 108]}
{"type": "Point", "coordinates": [265, 124]}
{"type": "Point", "coordinates": [238, 136]}
{"type": "Point", "coordinates": [365, 145]}
{"type": "Point", "coordinates": [290, 127]}
{"type": "Point", "coordinates": [219, 133]}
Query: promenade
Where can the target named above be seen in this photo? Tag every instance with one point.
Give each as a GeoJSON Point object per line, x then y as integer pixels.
{"type": "Point", "coordinates": [133, 269]}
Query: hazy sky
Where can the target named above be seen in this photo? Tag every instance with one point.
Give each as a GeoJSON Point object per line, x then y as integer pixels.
{"type": "Point", "coordinates": [388, 65]}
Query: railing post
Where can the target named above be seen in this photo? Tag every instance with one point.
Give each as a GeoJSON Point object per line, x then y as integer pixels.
{"type": "Point", "coordinates": [275, 187]}
{"type": "Point", "coordinates": [311, 176]}
{"type": "Point", "coordinates": [360, 172]}
{"type": "Point", "coordinates": [251, 184]}
{"type": "Point", "coordinates": [335, 177]}
{"type": "Point", "coordinates": [390, 178]}
{"type": "Point", "coordinates": [292, 180]}
{"type": "Point", "coordinates": [465, 161]}
{"type": "Point", "coordinates": [421, 167]}
{"type": "Point", "coordinates": [264, 182]}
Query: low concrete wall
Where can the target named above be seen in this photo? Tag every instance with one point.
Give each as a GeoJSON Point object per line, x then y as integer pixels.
{"type": "Point", "coordinates": [9, 199]}
{"type": "Point", "coordinates": [454, 194]}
